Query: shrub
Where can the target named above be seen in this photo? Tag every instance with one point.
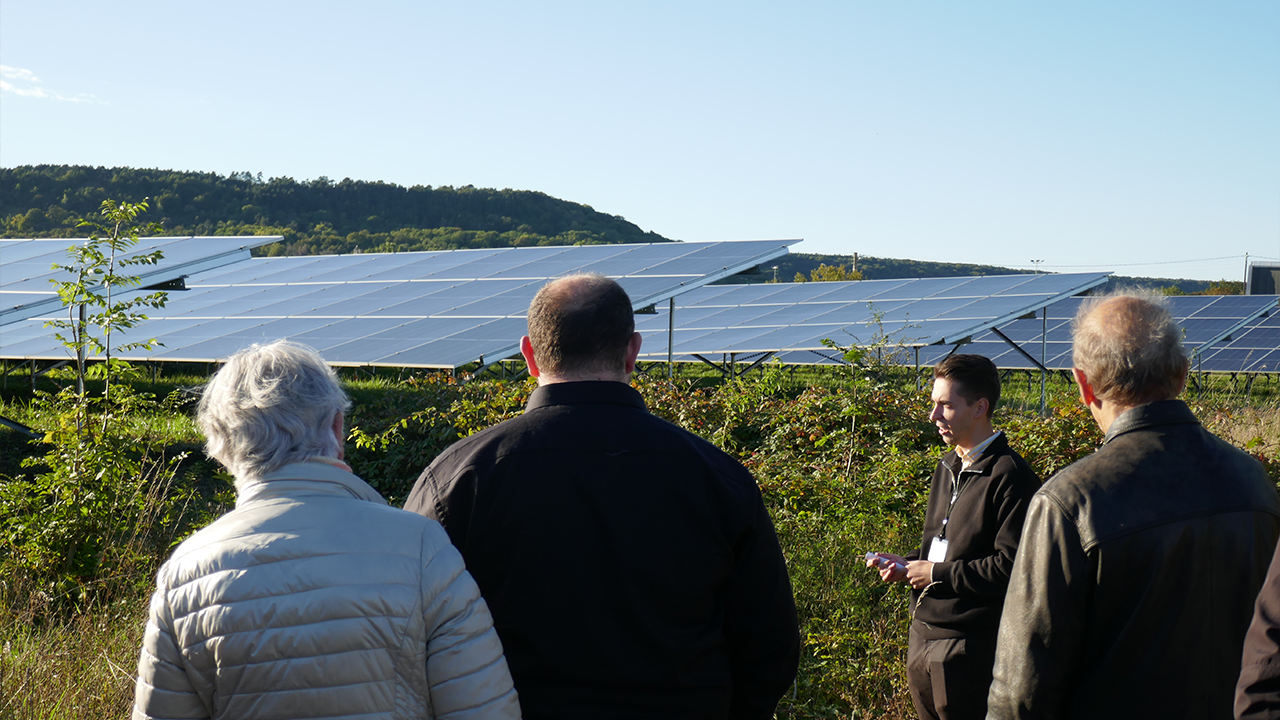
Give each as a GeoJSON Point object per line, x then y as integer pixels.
{"type": "Point", "coordinates": [397, 434]}
{"type": "Point", "coordinates": [96, 512]}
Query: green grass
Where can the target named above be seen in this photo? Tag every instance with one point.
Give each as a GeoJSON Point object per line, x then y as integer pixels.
{"type": "Point", "coordinates": [82, 667]}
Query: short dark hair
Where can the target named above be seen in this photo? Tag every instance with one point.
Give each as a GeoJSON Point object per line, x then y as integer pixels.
{"type": "Point", "coordinates": [975, 377]}
{"type": "Point", "coordinates": [581, 323]}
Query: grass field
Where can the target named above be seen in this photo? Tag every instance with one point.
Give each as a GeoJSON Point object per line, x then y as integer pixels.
{"type": "Point", "coordinates": [842, 458]}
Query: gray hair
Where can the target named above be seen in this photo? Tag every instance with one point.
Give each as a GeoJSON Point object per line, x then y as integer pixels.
{"type": "Point", "coordinates": [270, 405]}
{"type": "Point", "coordinates": [1129, 347]}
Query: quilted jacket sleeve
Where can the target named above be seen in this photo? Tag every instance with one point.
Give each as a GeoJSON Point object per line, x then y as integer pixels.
{"type": "Point", "coordinates": [163, 689]}
{"type": "Point", "coordinates": [466, 670]}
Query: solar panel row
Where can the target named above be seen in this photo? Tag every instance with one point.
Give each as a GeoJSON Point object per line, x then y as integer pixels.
{"type": "Point", "coordinates": [446, 309]}
{"type": "Point", "coordinates": [434, 309]}
{"type": "Point", "coordinates": [780, 318]}
{"type": "Point", "coordinates": [27, 269]}
{"type": "Point", "coordinates": [1254, 349]}
{"type": "Point", "coordinates": [1205, 320]}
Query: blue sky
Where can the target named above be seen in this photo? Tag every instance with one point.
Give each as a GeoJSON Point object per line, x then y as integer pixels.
{"type": "Point", "coordinates": [1139, 137]}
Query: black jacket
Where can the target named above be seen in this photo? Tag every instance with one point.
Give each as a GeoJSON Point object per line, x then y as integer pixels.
{"type": "Point", "coordinates": [1258, 693]}
{"type": "Point", "coordinates": [967, 592]}
{"type": "Point", "coordinates": [631, 567]}
{"type": "Point", "coordinates": [1136, 576]}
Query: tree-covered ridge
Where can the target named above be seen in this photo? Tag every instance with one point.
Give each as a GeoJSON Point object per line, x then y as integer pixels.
{"type": "Point", "coordinates": [325, 217]}
{"type": "Point", "coordinates": [874, 268]}
{"type": "Point", "coordinates": [316, 216]}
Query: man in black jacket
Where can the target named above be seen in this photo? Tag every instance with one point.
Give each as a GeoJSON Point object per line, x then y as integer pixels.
{"type": "Point", "coordinates": [1139, 564]}
{"type": "Point", "coordinates": [630, 566]}
{"type": "Point", "coordinates": [958, 575]}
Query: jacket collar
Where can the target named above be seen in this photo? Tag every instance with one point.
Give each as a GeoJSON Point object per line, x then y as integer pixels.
{"type": "Point", "coordinates": [309, 478]}
{"type": "Point", "coordinates": [1164, 412]}
{"type": "Point", "coordinates": [998, 446]}
{"type": "Point", "coordinates": [583, 393]}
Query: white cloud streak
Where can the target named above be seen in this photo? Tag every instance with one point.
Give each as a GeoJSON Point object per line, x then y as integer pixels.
{"type": "Point", "coordinates": [24, 83]}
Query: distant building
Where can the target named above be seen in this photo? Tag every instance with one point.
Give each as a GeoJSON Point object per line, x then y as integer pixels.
{"type": "Point", "coordinates": [1263, 278]}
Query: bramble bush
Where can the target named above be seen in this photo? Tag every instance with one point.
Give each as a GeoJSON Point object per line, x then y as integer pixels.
{"type": "Point", "coordinates": [844, 468]}
{"type": "Point", "coordinates": [395, 434]}
{"type": "Point", "coordinates": [95, 512]}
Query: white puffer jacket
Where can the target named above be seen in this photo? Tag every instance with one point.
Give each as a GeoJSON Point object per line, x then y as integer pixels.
{"type": "Point", "coordinates": [313, 599]}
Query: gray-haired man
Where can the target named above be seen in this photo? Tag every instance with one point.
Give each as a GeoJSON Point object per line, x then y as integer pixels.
{"type": "Point", "coordinates": [1135, 579]}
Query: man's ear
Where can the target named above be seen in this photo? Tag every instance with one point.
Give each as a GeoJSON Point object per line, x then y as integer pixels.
{"type": "Point", "coordinates": [526, 349]}
{"type": "Point", "coordinates": [633, 352]}
{"type": "Point", "coordinates": [338, 433]}
{"type": "Point", "coordinates": [1087, 395]}
{"type": "Point", "coordinates": [981, 408]}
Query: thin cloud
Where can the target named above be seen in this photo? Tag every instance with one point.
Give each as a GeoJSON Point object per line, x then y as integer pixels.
{"type": "Point", "coordinates": [24, 83]}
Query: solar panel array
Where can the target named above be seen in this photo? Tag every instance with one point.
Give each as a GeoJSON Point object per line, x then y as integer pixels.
{"type": "Point", "coordinates": [792, 319]}
{"type": "Point", "coordinates": [1253, 349]}
{"type": "Point", "coordinates": [430, 309]}
{"type": "Point", "coordinates": [446, 309]}
{"type": "Point", "coordinates": [27, 274]}
{"type": "Point", "coordinates": [1205, 319]}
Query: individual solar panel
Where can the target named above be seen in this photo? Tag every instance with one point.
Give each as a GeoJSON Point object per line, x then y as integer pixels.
{"type": "Point", "coordinates": [560, 261]}
{"type": "Point", "coordinates": [929, 287]}
{"type": "Point", "coordinates": [432, 309]}
{"type": "Point", "coordinates": [345, 268]}
{"type": "Point", "coordinates": [798, 316]}
{"type": "Point", "coordinates": [260, 268]}
{"type": "Point", "coordinates": [340, 331]}
{"type": "Point", "coordinates": [27, 274]}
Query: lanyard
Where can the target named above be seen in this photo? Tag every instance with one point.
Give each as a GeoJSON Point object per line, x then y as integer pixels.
{"type": "Point", "coordinates": [956, 487]}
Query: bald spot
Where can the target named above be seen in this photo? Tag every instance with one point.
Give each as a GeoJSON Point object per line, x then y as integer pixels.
{"type": "Point", "coordinates": [1120, 317]}
{"type": "Point", "coordinates": [1129, 347]}
{"type": "Point", "coordinates": [580, 324]}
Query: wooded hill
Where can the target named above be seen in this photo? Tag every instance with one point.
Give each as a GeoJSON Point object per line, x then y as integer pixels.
{"type": "Point", "coordinates": [316, 216]}
{"type": "Point", "coordinates": [322, 216]}
{"type": "Point", "coordinates": [873, 268]}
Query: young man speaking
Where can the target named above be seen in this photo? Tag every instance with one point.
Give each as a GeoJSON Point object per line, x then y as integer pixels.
{"type": "Point", "coordinates": [958, 575]}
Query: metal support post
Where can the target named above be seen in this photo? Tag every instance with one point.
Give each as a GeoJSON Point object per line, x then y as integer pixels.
{"type": "Point", "coordinates": [671, 338]}
{"type": "Point", "coordinates": [1199, 378]}
{"type": "Point", "coordinates": [1044, 339]}
{"type": "Point", "coordinates": [917, 349]}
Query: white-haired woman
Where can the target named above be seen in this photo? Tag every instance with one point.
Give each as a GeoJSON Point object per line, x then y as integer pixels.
{"type": "Point", "coordinates": [312, 598]}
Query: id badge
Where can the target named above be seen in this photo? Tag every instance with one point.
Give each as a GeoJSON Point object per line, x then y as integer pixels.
{"type": "Point", "coordinates": [938, 550]}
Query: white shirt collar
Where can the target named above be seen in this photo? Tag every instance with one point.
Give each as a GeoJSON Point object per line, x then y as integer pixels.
{"type": "Point", "coordinates": [970, 457]}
